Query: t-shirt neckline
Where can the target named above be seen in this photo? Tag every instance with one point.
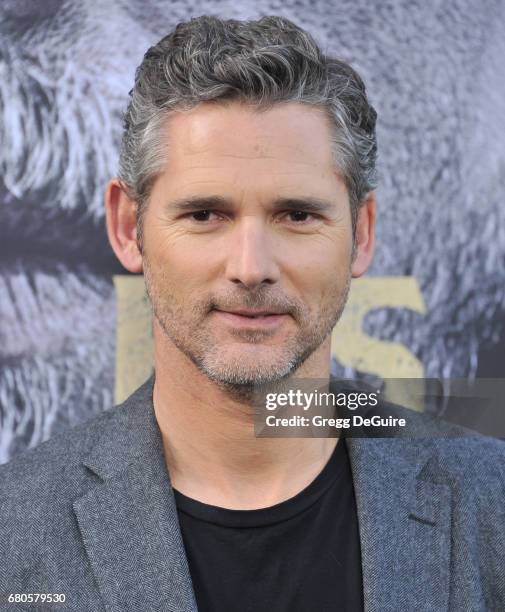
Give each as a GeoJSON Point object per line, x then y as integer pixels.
{"type": "Point", "coordinates": [282, 511]}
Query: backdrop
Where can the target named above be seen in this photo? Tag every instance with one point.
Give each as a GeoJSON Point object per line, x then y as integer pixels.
{"type": "Point", "coordinates": [74, 333]}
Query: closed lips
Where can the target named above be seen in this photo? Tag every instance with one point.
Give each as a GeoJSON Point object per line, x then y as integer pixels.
{"type": "Point", "coordinates": [251, 315]}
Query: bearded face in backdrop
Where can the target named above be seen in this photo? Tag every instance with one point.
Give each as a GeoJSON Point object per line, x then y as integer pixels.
{"type": "Point", "coordinates": [66, 70]}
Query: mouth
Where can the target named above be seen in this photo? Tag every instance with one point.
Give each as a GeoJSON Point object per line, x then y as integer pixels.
{"type": "Point", "coordinates": [250, 318]}
{"type": "Point", "coordinates": [252, 314]}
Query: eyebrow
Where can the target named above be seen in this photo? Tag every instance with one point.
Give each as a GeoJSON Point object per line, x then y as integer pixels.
{"type": "Point", "coordinates": [306, 204]}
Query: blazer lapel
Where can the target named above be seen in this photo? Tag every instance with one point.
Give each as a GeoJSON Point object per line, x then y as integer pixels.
{"type": "Point", "coordinates": [404, 524]}
{"type": "Point", "coordinates": [128, 519]}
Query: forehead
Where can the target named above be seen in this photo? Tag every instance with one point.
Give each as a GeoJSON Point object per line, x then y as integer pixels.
{"type": "Point", "coordinates": [288, 136]}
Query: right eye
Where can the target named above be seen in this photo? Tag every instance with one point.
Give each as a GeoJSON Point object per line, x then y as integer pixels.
{"type": "Point", "coordinates": [201, 215]}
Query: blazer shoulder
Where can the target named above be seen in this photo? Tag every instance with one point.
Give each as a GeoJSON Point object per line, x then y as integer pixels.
{"type": "Point", "coordinates": [44, 472]}
{"type": "Point", "coordinates": [459, 455]}
{"type": "Point", "coordinates": [461, 451]}
{"type": "Point", "coordinates": [37, 489]}
{"type": "Point", "coordinates": [479, 460]}
{"type": "Point", "coordinates": [56, 466]}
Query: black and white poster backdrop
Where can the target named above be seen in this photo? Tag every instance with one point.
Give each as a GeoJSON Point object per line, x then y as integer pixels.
{"type": "Point", "coordinates": [433, 303]}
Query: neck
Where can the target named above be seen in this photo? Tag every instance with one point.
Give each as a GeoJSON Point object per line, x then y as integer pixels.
{"type": "Point", "coordinates": [211, 450]}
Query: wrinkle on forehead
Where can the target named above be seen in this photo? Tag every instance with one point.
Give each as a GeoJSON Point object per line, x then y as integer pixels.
{"type": "Point", "coordinates": [288, 132]}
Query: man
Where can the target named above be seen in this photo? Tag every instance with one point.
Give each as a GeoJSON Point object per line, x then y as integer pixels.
{"type": "Point", "coordinates": [246, 197]}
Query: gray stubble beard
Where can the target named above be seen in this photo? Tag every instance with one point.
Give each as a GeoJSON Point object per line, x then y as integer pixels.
{"type": "Point", "coordinates": [240, 386]}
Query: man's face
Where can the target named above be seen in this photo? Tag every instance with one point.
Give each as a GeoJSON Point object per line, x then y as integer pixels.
{"type": "Point", "coordinates": [254, 245]}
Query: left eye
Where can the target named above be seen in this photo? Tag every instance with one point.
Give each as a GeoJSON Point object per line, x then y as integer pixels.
{"type": "Point", "coordinates": [299, 215]}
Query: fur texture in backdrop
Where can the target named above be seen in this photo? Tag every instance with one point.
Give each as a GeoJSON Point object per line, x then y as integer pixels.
{"type": "Point", "coordinates": [434, 71]}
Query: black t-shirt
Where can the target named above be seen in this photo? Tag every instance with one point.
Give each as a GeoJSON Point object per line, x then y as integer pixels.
{"type": "Point", "coordinates": [301, 555]}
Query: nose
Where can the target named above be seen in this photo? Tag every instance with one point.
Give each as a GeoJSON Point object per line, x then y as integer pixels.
{"type": "Point", "coordinates": [251, 259]}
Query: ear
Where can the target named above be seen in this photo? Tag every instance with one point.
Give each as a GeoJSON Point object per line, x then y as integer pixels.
{"type": "Point", "coordinates": [121, 218]}
{"type": "Point", "coordinates": [365, 236]}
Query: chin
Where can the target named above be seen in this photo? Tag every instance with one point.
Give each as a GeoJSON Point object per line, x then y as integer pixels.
{"type": "Point", "coordinates": [247, 373]}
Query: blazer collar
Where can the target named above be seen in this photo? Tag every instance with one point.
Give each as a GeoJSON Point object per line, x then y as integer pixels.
{"type": "Point", "coordinates": [129, 525]}
{"type": "Point", "coordinates": [128, 519]}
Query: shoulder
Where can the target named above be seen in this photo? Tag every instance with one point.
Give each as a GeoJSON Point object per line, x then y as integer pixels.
{"type": "Point", "coordinates": [458, 456]}
{"type": "Point", "coordinates": [472, 465]}
{"type": "Point", "coordinates": [39, 533]}
{"type": "Point", "coordinates": [458, 450]}
{"type": "Point", "coordinates": [38, 490]}
{"type": "Point", "coordinates": [58, 470]}
{"type": "Point", "coordinates": [480, 455]}
{"type": "Point", "coordinates": [454, 444]}
{"type": "Point", "coordinates": [40, 478]}
{"type": "Point", "coordinates": [477, 466]}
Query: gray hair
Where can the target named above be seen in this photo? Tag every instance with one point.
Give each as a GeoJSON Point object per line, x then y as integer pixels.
{"type": "Point", "coordinates": [260, 62]}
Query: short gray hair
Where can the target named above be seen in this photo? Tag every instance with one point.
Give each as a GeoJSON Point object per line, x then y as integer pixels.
{"type": "Point", "coordinates": [261, 62]}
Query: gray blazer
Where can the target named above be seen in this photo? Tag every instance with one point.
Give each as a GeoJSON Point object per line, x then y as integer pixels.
{"type": "Point", "coordinates": [91, 514]}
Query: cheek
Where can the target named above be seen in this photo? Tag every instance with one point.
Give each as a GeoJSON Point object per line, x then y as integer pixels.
{"type": "Point", "coordinates": [182, 261]}
{"type": "Point", "coordinates": [320, 267]}
{"type": "Point", "coordinates": [184, 280]}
